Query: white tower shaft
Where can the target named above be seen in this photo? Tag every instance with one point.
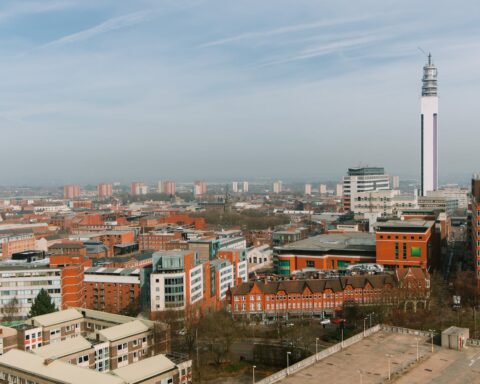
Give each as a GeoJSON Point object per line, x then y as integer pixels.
{"type": "Point", "coordinates": [429, 128]}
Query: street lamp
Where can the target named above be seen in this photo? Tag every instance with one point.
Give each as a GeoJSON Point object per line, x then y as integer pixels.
{"type": "Point", "coordinates": [253, 374]}
{"type": "Point", "coordinates": [389, 371]}
{"type": "Point", "coordinates": [364, 320]}
{"type": "Point", "coordinates": [373, 313]}
{"type": "Point", "coordinates": [432, 332]}
{"type": "Point", "coordinates": [417, 347]}
{"type": "Point", "coordinates": [316, 349]}
{"type": "Point", "coordinates": [288, 360]}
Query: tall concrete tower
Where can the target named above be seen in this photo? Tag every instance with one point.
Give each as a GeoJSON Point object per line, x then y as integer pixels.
{"type": "Point", "coordinates": [429, 128]}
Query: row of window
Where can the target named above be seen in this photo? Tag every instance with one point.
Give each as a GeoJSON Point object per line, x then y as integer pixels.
{"type": "Point", "coordinates": [398, 237]}
{"type": "Point", "coordinates": [298, 297]}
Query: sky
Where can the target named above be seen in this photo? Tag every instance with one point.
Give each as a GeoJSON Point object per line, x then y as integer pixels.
{"type": "Point", "coordinates": [114, 90]}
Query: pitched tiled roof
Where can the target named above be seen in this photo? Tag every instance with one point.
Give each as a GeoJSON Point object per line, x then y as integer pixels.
{"type": "Point", "coordinates": [316, 285]}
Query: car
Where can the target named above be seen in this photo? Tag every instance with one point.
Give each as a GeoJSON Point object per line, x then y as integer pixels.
{"type": "Point", "coordinates": [325, 321]}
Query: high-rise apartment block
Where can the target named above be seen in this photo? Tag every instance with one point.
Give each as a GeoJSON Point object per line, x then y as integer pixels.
{"type": "Point", "coordinates": [168, 187]}
{"type": "Point", "coordinates": [308, 189]}
{"type": "Point", "coordinates": [429, 128]}
{"type": "Point", "coordinates": [138, 188]}
{"type": "Point", "coordinates": [363, 179]}
{"type": "Point", "coordinates": [199, 187]}
{"type": "Point", "coordinates": [395, 182]}
{"type": "Point", "coordinates": [71, 191]}
{"type": "Point", "coordinates": [277, 186]}
{"type": "Point", "coordinates": [235, 186]}
{"type": "Point", "coordinates": [339, 190]}
{"type": "Point", "coordinates": [104, 190]}
{"type": "Point", "coordinates": [322, 189]}
{"type": "Point", "coordinates": [245, 186]}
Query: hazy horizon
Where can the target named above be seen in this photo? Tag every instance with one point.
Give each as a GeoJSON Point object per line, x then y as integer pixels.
{"type": "Point", "coordinates": [215, 90]}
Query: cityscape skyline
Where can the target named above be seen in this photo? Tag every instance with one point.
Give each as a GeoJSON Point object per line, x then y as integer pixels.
{"type": "Point", "coordinates": [76, 93]}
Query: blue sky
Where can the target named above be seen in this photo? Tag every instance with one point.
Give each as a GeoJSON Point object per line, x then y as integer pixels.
{"type": "Point", "coordinates": [119, 90]}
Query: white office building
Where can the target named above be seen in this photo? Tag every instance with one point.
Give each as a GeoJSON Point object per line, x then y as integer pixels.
{"type": "Point", "coordinates": [23, 280]}
{"type": "Point", "coordinates": [363, 179]}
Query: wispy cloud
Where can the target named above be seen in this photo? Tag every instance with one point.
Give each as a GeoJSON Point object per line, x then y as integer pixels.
{"type": "Point", "coordinates": [283, 30]}
{"type": "Point", "coordinates": [333, 47]}
{"type": "Point", "coordinates": [109, 25]}
{"type": "Point", "coordinates": [19, 8]}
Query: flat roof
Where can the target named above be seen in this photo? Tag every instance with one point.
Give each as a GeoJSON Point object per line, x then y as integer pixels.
{"type": "Point", "coordinates": [57, 370]}
{"type": "Point", "coordinates": [144, 369]}
{"type": "Point", "coordinates": [63, 348]}
{"type": "Point", "coordinates": [123, 330]}
{"type": "Point", "coordinates": [404, 225]}
{"type": "Point", "coordinates": [113, 271]}
{"type": "Point", "coordinates": [335, 241]}
{"type": "Point", "coordinates": [7, 331]}
{"type": "Point", "coordinates": [57, 317]}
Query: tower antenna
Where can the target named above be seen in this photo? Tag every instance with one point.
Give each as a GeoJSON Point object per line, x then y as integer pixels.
{"type": "Point", "coordinates": [423, 51]}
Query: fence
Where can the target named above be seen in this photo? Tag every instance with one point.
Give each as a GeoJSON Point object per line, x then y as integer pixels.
{"type": "Point", "coordinates": [319, 356]}
{"type": "Point", "coordinates": [473, 342]}
{"type": "Point", "coordinates": [405, 331]}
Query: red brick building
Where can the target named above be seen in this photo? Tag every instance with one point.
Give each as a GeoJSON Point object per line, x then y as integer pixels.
{"type": "Point", "coordinates": [475, 223]}
{"type": "Point", "coordinates": [70, 258]}
{"type": "Point", "coordinates": [329, 251]}
{"type": "Point", "coordinates": [173, 218]}
{"type": "Point", "coordinates": [16, 242]}
{"type": "Point", "coordinates": [323, 296]}
{"type": "Point", "coordinates": [112, 289]}
{"type": "Point", "coordinates": [157, 241]}
{"type": "Point", "coordinates": [402, 244]}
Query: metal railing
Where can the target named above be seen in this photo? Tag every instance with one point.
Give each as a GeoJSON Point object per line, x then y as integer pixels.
{"type": "Point", "coordinates": [405, 331]}
{"type": "Point", "coordinates": [473, 342]}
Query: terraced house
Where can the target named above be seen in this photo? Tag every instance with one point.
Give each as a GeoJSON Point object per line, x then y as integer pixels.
{"type": "Point", "coordinates": [319, 297]}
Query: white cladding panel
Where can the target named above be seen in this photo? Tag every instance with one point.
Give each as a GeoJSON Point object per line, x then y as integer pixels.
{"type": "Point", "coordinates": [429, 108]}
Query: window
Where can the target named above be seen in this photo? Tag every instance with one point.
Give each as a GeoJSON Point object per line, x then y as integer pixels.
{"type": "Point", "coordinates": [82, 359]}
{"type": "Point", "coordinates": [121, 346]}
{"type": "Point", "coordinates": [416, 251]}
{"type": "Point", "coordinates": [310, 264]}
{"type": "Point", "coordinates": [121, 359]}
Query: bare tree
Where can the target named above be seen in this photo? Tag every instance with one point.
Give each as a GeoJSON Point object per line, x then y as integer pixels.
{"type": "Point", "coordinates": [11, 309]}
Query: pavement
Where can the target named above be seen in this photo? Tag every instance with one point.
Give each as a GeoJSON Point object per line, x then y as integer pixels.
{"type": "Point", "coordinates": [446, 366]}
{"type": "Point", "coordinates": [369, 360]}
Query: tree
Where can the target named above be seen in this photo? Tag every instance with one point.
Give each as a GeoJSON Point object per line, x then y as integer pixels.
{"type": "Point", "coordinates": [220, 331]}
{"type": "Point", "coordinates": [133, 309]}
{"type": "Point", "coordinates": [42, 305]}
{"type": "Point", "coordinates": [11, 310]}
